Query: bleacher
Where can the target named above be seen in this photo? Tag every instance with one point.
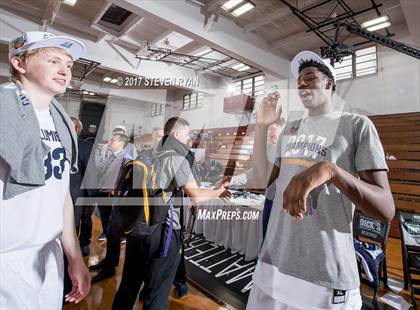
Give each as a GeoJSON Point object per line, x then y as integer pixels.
{"type": "Point", "coordinates": [400, 136]}
{"type": "Point", "coordinates": [232, 147]}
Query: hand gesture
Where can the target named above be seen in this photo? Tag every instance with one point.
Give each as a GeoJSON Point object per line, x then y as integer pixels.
{"type": "Point", "coordinates": [267, 112]}
{"type": "Point", "coordinates": [226, 181]}
{"type": "Point", "coordinates": [80, 278]}
{"type": "Point", "coordinates": [225, 195]}
{"type": "Point", "coordinates": [296, 193]}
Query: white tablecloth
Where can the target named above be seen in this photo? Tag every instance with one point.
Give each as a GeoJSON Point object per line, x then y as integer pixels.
{"type": "Point", "coordinates": [243, 236]}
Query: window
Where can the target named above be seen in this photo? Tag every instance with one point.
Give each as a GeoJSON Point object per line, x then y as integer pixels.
{"type": "Point", "coordinates": [344, 70]}
{"type": "Point", "coordinates": [157, 109]}
{"type": "Point", "coordinates": [193, 101]}
{"type": "Point", "coordinates": [366, 61]}
{"type": "Point", "coordinates": [363, 62]}
{"type": "Point", "coordinates": [252, 86]}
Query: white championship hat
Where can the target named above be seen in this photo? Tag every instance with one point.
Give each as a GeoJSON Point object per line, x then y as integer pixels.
{"type": "Point", "coordinates": [121, 128]}
{"type": "Point", "coordinates": [308, 55]}
{"type": "Point", "coordinates": [38, 39]}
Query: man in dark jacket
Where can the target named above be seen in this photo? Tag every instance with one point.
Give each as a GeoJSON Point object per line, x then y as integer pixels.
{"type": "Point", "coordinates": [109, 171]}
{"type": "Point", "coordinates": [157, 260]}
{"type": "Point", "coordinates": [82, 214]}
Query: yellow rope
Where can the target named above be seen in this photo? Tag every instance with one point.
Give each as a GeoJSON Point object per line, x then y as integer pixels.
{"type": "Point", "coordinates": [145, 195]}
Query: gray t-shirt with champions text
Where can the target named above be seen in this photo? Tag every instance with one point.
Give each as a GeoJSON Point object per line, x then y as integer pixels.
{"type": "Point", "coordinates": [319, 248]}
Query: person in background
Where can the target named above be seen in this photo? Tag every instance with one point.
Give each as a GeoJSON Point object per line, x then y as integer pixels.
{"type": "Point", "coordinates": [91, 134]}
{"type": "Point", "coordinates": [130, 148]}
{"type": "Point", "coordinates": [154, 260]}
{"type": "Point", "coordinates": [82, 214]}
{"type": "Point", "coordinates": [147, 154]}
{"type": "Point", "coordinates": [108, 173]}
{"type": "Point", "coordinates": [180, 281]}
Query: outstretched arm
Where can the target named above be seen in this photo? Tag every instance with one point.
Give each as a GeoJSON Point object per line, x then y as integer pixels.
{"type": "Point", "coordinates": [78, 272]}
{"type": "Point", "coordinates": [197, 194]}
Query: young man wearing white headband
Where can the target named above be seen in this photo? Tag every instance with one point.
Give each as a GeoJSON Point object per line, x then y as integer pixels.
{"type": "Point", "coordinates": [37, 152]}
{"type": "Point", "coordinates": [327, 163]}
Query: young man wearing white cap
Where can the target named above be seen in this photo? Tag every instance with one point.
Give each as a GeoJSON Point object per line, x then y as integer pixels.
{"type": "Point", "coordinates": [37, 151]}
{"type": "Point", "coordinates": [327, 163]}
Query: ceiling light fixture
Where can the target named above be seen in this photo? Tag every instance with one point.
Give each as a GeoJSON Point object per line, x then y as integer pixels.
{"type": "Point", "coordinates": [113, 81]}
{"type": "Point", "coordinates": [230, 4]}
{"type": "Point", "coordinates": [238, 7]}
{"type": "Point", "coordinates": [107, 79]}
{"type": "Point", "coordinates": [244, 68]}
{"type": "Point", "coordinates": [377, 23]}
{"type": "Point", "coordinates": [70, 2]}
{"type": "Point", "coordinates": [380, 26]}
{"type": "Point", "coordinates": [240, 67]}
{"type": "Point", "coordinates": [203, 52]}
{"type": "Point", "coordinates": [243, 9]}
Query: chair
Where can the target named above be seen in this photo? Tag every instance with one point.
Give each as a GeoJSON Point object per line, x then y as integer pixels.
{"type": "Point", "coordinates": [410, 243]}
{"type": "Point", "coordinates": [372, 232]}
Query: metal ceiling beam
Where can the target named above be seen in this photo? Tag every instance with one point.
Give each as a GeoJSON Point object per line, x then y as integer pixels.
{"type": "Point", "coordinates": [319, 28]}
{"type": "Point", "coordinates": [111, 57]}
{"type": "Point", "coordinates": [380, 39]}
{"type": "Point", "coordinates": [225, 36]}
{"type": "Point", "coordinates": [154, 41]}
{"type": "Point", "coordinates": [303, 18]}
{"type": "Point", "coordinates": [282, 12]}
{"type": "Point", "coordinates": [343, 17]}
{"type": "Point", "coordinates": [50, 13]}
{"type": "Point", "coordinates": [268, 19]}
{"type": "Point", "coordinates": [290, 38]}
{"type": "Point", "coordinates": [201, 63]}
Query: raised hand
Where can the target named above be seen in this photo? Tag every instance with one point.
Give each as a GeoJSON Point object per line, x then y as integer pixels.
{"type": "Point", "coordinates": [268, 112]}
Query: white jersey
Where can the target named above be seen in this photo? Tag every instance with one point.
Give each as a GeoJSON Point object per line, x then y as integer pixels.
{"type": "Point", "coordinates": [35, 217]}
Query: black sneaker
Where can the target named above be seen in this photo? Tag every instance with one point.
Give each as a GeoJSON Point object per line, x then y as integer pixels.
{"type": "Point", "coordinates": [103, 274]}
{"type": "Point", "coordinates": [102, 237]}
{"type": "Point", "coordinates": [181, 290]}
{"type": "Point", "coordinates": [98, 266]}
{"type": "Point", "coordinates": [142, 294]}
{"type": "Point", "coordinates": [85, 250]}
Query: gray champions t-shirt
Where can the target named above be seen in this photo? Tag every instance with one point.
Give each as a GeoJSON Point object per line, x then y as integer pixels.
{"type": "Point", "coordinates": [319, 248]}
{"type": "Point", "coordinates": [175, 172]}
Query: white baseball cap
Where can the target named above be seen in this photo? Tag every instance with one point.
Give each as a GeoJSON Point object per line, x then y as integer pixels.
{"type": "Point", "coordinates": [308, 55]}
{"type": "Point", "coordinates": [39, 39]}
{"type": "Point", "coordinates": [120, 127]}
